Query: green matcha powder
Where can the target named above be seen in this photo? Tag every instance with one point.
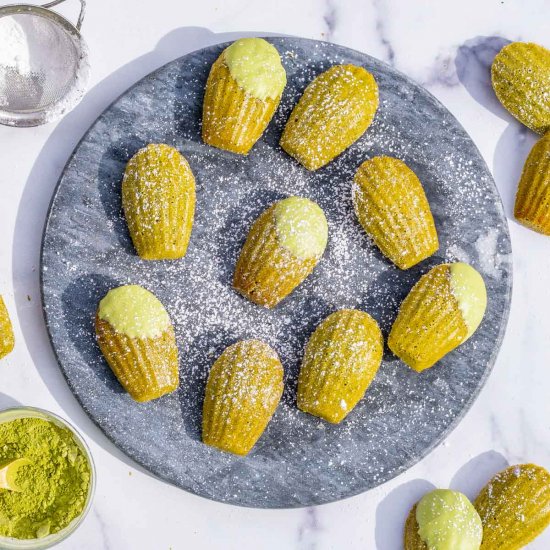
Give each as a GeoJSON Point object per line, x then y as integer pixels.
{"type": "Point", "coordinates": [54, 487]}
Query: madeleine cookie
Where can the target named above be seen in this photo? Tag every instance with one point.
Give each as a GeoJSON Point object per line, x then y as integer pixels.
{"type": "Point", "coordinates": [442, 311]}
{"type": "Point", "coordinates": [392, 207]}
{"type": "Point", "coordinates": [242, 93]}
{"type": "Point", "coordinates": [514, 507]}
{"type": "Point", "coordinates": [158, 198]}
{"type": "Point", "coordinates": [7, 339]}
{"type": "Point", "coordinates": [243, 390]}
{"type": "Point", "coordinates": [532, 207]}
{"type": "Point", "coordinates": [443, 520]}
{"type": "Point", "coordinates": [341, 360]}
{"type": "Point", "coordinates": [334, 111]}
{"type": "Point", "coordinates": [136, 337]}
{"type": "Point", "coordinates": [282, 248]}
{"type": "Point", "coordinates": [521, 79]}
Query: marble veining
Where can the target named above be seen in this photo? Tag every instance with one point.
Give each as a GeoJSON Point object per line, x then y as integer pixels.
{"type": "Point", "coordinates": [381, 31]}
{"type": "Point", "coordinates": [330, 18]}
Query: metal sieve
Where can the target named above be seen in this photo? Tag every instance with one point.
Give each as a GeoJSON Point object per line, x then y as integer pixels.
{"type": "Point", "coordinates": [44, 67]}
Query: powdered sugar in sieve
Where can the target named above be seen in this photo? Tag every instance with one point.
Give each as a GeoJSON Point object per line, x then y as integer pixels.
{"type": "Point", "coordinates": [44, 66]}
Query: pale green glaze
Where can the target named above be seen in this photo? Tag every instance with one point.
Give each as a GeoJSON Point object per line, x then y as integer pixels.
{"type": "Point", "coordinates": [256, 66]}
{"type": "Point", "coordinates": [134, 311]}
{"type": "Point", "coordinates": [468, 288]}
{"type": "Point", "coordinates": [447, 520]}
{"type": "Point", "coordinates": [301, 227]}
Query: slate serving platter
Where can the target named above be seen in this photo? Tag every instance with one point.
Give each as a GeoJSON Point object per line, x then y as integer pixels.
{"type": "Point", "coordinates": [300, 460]}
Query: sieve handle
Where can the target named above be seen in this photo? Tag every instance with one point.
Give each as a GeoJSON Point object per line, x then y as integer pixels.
{"type": "Point", "coordinates": [80, 16]}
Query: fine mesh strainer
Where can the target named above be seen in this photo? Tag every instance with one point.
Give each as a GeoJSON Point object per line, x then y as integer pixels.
{"type": "Point", "coordinates": [44, 65]}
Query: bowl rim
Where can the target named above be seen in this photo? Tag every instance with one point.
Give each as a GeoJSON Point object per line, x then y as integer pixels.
{"type": "Point", "coordinates": [10, 543]}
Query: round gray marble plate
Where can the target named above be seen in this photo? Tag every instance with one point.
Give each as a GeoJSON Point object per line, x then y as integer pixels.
{"type": "Point", "coordinates": [300, 460]}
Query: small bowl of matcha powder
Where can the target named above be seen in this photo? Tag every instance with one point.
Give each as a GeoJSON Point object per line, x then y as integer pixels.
{"type": "Point", "coordinates": [47, 479]}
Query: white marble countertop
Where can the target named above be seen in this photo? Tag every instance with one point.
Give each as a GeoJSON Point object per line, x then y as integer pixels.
{"type": "Point", "coordinates": [447, 47]}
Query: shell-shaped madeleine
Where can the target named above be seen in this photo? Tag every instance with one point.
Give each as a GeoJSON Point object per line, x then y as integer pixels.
{"type": "Point", "coordinates": [341, 360]}
{"type": "Point", "coordinates": [282, 248]}
{"type": "Point", "coordinates": [158, 198]}
{"type": "Point", "coordinates": [334, 111]}
{"type": "Point", "coordinates": [532, 207]}
{"type": "Point", "coordinates": [7, 339]}
{"type": "Point", "coordinates": [392, 207]}
{"type": "Point", "coordinates": [514, 507]}
{"type": "Point", "coordinates": [442, 311]}
{"type": "Point", "coordinates": [242, 93]}
{"type": "Point", "coordinates": [521, 79]}
{"type": "Point", "coordinates": [243, 390]}
{"type": "Point", "coordinates": [443, 520]}
{"type": "Point", "coordinates": [136, 337]}
{"type": "Point", "coordinates": [411, 537]}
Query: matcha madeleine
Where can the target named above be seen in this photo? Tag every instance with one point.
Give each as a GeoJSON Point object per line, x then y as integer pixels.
{"type": "Point", "coordinates": [242, 393]}
{"type": "Point", "coordinates": [514, 507]}
{"type": "Point", "coordinates": [443, 520]}
{"type": "Point", "coordinates": [532, 207]}
{"type": "Point", "coordinates": [521, 79]}
{"type": "Point", "coordinates": [136, 337]}
{"type": "Point", "coordinates": [158, 198]}
{"type": "Point", "coordinates": [442, 311]}
{"type": "Point", "coordinates": [334, 111]}
{"type": "Point", "coordinates": [392, 207]}
{"type": "Point", "coordinates": [7, 340]}
{"type": "Point", "coordinates": [242, 93]}
{"type": "Point", "coordinates": [340, 361]}
{"type": "Point", "coordinates": [282, 248]}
